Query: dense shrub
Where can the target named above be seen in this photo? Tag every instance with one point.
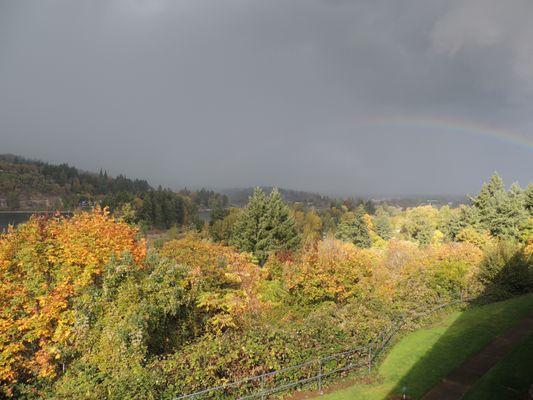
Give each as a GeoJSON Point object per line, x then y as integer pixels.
{"type": "Point", "coordinates": [136, 315]}
{"type": "Point", "coordinates": [507, 269]}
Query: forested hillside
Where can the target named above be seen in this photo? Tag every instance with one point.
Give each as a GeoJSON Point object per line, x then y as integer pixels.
{"type": "Point", "coordinates": [38, 186]}
{"type": "Point", "coordinates": [34, 185]}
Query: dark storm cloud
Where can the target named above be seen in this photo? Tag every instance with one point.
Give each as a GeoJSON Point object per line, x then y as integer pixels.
{"type": "Point", "coordinates": [276, 92]}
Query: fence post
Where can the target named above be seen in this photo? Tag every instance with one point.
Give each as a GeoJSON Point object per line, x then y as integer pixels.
{"type": "Point", "coordinates": [320, 376]}
{"type": "Point", "coordinates": [369, 359]}
{"type": "Point", "coordinates": [263, 395]}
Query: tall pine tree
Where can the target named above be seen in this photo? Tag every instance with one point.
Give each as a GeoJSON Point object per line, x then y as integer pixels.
{"type": "Point", "coordinates": [355, 229]}
{"type": "Point", "coordinates": [265, 225]}
{"type": "Point", "coordinates": [528, 199]}
{"type": "Point", "coordinates": [503, 214]}
{"type": "Point", "coordinates": [382, 224]}
{"type": "Point", "coordinates": [484, 203]}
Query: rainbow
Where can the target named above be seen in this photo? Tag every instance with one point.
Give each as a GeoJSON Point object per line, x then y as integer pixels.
{"type": "Point", "coordinates": [455, 125]}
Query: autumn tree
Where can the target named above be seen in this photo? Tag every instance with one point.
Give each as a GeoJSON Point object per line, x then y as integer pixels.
{"type": "Point", "coordinates": [222, 229]}
{"type": "Point", "coordinates": [309, 225]}
{"type": "Point", "coordinates": [44, 265]}
{"type": "Point", "coordinates": [420, 224]}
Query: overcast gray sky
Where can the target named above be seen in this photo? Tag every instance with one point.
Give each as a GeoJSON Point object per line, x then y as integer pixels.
{"type": "Point", "coordinates": [338, 96]}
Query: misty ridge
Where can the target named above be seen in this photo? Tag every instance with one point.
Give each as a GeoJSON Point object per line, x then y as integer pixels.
{"type": "Point", "coordinates": [31, 185]}
{"type": "Point", "coordinates": [270, 199]}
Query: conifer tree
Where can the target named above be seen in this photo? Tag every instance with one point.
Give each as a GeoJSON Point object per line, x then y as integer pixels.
{"type": "Point", "coordinates": [528, 199]}
{"type": "Point", "coordinates": [484, 203]}
{"type": "Point", "coordinates": [246, 229]}
{"type": "Point", "coordinates": [508, 213]}
{"type": "Point", "coordinates": [425, 234]}
{"type": "Point", "coordinates": [278, 225]}
{"type": "Point", "coordinates": [265, 225]}
{"type": "Point", "coordinates": [355, 229]}
{"type": "Point", "coordinates": [503, 214]}
{"type": "Point", "coordinates": [452, 222]}
{"type": "Point", "coordinates": [382, 224]}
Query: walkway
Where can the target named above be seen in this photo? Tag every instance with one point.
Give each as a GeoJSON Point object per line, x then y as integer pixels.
{"type": "Point", "coordinates": [456, 384]}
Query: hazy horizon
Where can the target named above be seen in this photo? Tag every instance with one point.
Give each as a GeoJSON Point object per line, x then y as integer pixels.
{"type": "Point", "coordinates": [336, 97]}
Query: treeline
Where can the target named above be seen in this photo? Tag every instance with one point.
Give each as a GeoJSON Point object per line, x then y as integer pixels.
{"type": "Point", "coordinates": [494, 214]}
{"type": "Point", "coordinates": [205, 198]}
{"type": "Point", "coordinates": [239, 197]}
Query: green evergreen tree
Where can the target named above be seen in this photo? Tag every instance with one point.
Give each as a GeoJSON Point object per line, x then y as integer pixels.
{"type": "Point", "coordinates": [460, 221]}
{"type": "Point", "coordinates": [382, 224]}
{"type": "Point", "coordinates": [528, 199]}
{"type": "Point", "coordinates": [424, 234]}
{"type": "Point", "coordinates": [503, 214]}
{"type": "Point", "coordinates": [484, 204]}
{"type": "Point", "coordinates": [162, 209]}
{"type": "Point", "coordinates": [355, 230]}
{"type": "Point", "coordinates": [279, 224]}
{"type": "Point", "coordinates": [221, 230]}
{"type": "Point", "coordinates": [246, 229]}
{"type": "Point", "coordinates": [265, 225]}
{"type": "Point", "coordinates": [370, 207]}
{"type": "Point", "coordinates": [508, 213]}
{"type": "Point", "coordinates": [218, 212]}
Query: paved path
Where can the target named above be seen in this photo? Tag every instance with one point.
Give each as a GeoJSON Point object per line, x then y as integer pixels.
{"type": "Point", "coordinates": [455, 385]}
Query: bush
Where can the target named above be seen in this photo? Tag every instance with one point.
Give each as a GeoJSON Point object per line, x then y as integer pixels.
{"type": "Point", "coordinates": [507, 269]}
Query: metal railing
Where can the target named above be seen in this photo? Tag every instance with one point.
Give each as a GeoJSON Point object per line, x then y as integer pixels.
{"type": "Point", "coordinates": [317, 370]}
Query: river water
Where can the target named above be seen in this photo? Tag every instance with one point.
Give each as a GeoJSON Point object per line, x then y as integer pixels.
{"type": "Point", "coordinates": [12, 218]}
{"type": "Point", "coordinates": [15, 218]}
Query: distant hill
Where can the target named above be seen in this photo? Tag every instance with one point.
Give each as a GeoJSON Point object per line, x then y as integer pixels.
{"type": "Point", "coordinates": [35, 185]}
{"type": "Point", "coordinates": [239, 197]}
{"type": "Point", "coordinates": [419, 200]}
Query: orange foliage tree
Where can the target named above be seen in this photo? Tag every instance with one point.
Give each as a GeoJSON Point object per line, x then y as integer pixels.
{"type": "Point", "coordinates": [43, 265]}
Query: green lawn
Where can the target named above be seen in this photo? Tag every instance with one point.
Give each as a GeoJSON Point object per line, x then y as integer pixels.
{"type": "Point", "coordinates": [509, 379]}
{"type": "Point", "coordinates": [422, 358]}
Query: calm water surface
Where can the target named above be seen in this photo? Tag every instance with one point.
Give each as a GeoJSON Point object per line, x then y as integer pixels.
{"type": "Point", "coordinates": [8, 218]}
{"type": "Point", "coordinates": [14, 218]}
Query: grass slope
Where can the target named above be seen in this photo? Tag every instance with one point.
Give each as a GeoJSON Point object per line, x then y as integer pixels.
{"type": "Point", "coordinates": [422, 358]}
{"type": "Point", "coordinates": [509, 379]}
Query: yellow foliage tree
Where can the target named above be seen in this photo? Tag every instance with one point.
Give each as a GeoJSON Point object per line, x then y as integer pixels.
{"type": "Point", "coordinates": [43, 265]}
{"type": "Point", "coordinates": [328, 270]}
{"type": "Point", "coordinates": [470, 235]}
